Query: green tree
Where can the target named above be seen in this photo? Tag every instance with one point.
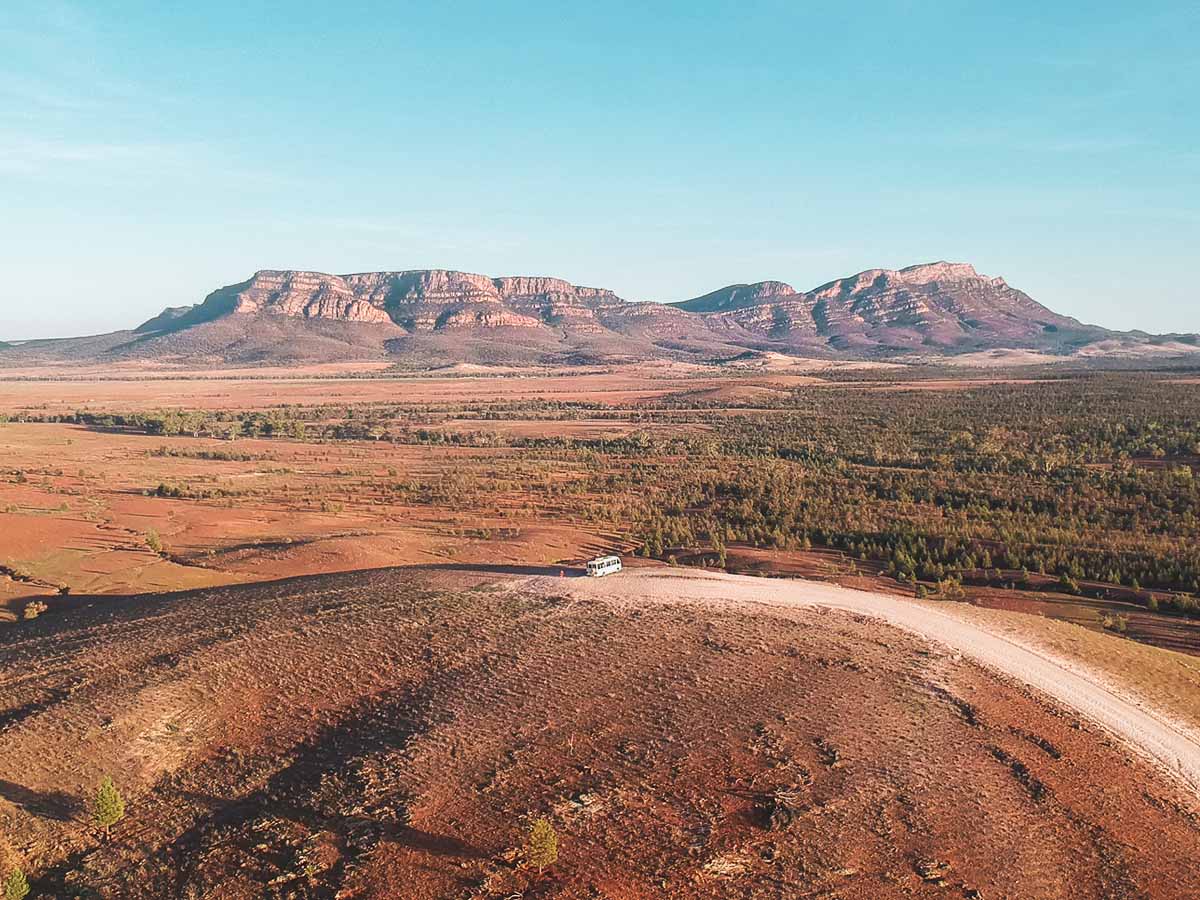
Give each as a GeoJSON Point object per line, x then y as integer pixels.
{"type": "Point", "coordinates": [109, 807]}
{"type": "Point", "coordinates": [541, 849]}
{"type": "Point", "coordinates": [16, 885]}
{"type": "Point", "coordinates": [153, 541]}
{"type": "Point", "coordinates": [1068, 584]}
{"type": "Point", "coordinates": [718, 543]}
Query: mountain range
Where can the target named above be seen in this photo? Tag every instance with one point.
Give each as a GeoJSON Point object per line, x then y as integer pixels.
{"type": "Point", "coordinates": [432, 318]}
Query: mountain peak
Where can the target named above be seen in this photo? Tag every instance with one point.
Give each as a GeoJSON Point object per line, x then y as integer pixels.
{"type": "Point", "coordinates": [923, 273]}
{"type": "Point", "coordinates": [737, 296]}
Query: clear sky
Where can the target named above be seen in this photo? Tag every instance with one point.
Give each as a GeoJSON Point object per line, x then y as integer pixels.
{"type": "Point", "coordinates": [151, 152]}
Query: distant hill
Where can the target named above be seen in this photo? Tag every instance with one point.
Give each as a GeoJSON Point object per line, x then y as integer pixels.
{"type": "Point", "coordinates": [429, 318]}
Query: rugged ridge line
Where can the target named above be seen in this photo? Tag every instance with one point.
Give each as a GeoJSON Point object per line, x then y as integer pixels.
{"type": "Point", "coordinates": [418, 299]}
{"type": "Point", "coordinates": [435, 317]}
{"type": "Point", "coordinates": [938, 304]}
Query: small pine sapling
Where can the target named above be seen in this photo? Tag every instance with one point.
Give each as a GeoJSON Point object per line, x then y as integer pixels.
{"type": "Point", "coordinates": [109, 808]}
{"type": "Point", "coordinates": [541, 849]}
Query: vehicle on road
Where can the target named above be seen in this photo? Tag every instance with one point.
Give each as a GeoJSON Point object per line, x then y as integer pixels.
{"type": "Point", "coordinates": [603, 565]}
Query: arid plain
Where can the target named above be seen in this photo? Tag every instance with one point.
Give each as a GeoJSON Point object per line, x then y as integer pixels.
{"type": "Point", "coordinates": [391, 733]}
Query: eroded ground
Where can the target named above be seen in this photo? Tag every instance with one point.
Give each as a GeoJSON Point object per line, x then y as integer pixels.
{"type": "Point", "coordinates": [390, 734]}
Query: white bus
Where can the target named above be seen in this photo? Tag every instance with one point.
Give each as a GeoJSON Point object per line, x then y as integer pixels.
{"type": "Point", "coordinates": [603, 565]}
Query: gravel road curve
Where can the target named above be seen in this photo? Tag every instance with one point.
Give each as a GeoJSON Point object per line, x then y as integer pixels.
{"type": "Point", "coordinates": [1172, 746]}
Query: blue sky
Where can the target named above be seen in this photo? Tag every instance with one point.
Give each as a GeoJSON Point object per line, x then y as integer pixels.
{"type": "Point", "coordinates": [151, 152]}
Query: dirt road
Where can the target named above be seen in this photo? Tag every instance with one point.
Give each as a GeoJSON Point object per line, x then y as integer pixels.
{"type": "Point", "coordinates": [1170, 745]}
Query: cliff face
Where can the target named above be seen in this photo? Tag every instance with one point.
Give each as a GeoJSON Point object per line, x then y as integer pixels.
{"type": "Point", "coordinates": [306, 295]}
{"type": "Point", "coordinates": [426, 300]}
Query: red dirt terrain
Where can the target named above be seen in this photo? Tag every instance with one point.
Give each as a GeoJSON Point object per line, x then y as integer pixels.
{"type": "Point", "coordinates": [391, 734]}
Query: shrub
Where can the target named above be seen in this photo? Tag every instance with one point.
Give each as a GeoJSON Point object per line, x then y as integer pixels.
{"type": "Point", "coordinates": [16, 885]}
{"type": "Point", "coordinates": [34, 608]}
{"type": "Point", "coordinates": [541, 849]}
{"type": "Point", "coordinates": [949, 588]}
{"type": "Point", "coordinates": [154, 542]}
{"type": "Point", "coordinates": [1117, 624]}
{"type": "Point", "coordinates": [109, 806]}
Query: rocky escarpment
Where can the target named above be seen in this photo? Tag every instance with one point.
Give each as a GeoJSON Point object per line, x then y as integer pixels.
{"type": "Point", "coordinates": [943, 305]}
{"type": "Point", "coordinates": [432, 317]}
{"type": "Point", "coordinates": [424, 300]}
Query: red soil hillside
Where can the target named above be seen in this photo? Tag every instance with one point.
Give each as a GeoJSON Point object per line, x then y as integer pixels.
{"type": "Point", "coordinates": [392, 735]}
